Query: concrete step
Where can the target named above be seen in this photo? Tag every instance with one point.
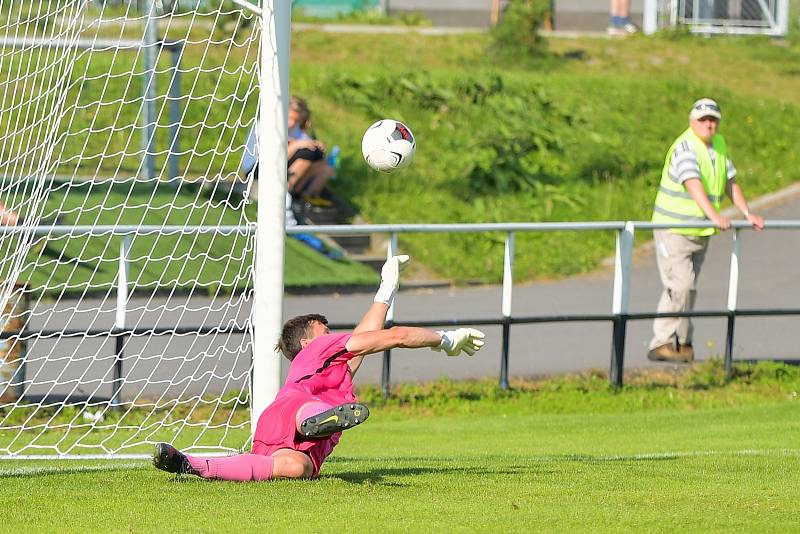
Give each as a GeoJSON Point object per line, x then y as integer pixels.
{"type": "Point", "coordinates": [338, 212]}
{"type": "Point", "coordinates": [354, 245]}
{"type": "Point", "coordinates": [332, 210]}
{"type": "Point", "coordinates": [375, 262]}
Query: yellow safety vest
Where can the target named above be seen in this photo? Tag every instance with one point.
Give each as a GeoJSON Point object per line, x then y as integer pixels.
{"type": "Point", "coordinates": [673, 201]}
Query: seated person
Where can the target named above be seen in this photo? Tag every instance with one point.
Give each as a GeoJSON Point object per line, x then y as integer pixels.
{"type": "Point", "coordinates": [250, 170]}
{"type": "Point", "coordinates": [308, 169]}
{"type": "Point", "coordinates": [8, 217]}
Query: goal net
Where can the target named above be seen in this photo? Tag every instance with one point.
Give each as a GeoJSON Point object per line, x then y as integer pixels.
{"type": "Point", "coordinates": [126, 269]}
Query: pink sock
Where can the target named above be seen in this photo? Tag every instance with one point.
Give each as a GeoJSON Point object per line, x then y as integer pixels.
{"type": "Point", "coordinates": [239, 468]}
{"type": "Point", "coordinates": [309, 409]}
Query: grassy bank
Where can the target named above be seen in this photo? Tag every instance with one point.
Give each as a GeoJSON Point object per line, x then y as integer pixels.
{"type": "Point", "coordinates": [578, 133]}
{"type": "Point", "coordinates": [203, 263]}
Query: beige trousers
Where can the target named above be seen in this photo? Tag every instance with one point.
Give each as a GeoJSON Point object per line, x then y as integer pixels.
{"type": "Point", "coordinates": [680, 258]}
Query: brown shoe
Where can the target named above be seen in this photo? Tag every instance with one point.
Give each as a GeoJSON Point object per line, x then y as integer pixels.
{"type": "Point", "coordinates": [667, 353]}
{"type": "Point", "coordinates": [687, 351]}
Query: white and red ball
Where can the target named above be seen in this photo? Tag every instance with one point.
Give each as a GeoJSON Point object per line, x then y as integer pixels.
{"type": "Point", "coordinates": [388, 145]}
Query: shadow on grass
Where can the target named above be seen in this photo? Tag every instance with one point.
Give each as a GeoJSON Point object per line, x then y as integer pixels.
{"type": "Point", "coordinates": [381, 475]}
{"type": "Point", "coordinates": [542, 465]}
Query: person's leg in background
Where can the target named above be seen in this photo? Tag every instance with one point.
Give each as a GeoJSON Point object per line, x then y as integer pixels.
{"type": "Point", "coordinates": [297, 175]}
{"type": "Point", "coordinates": [320, 174]}
{"type": "Point", "coordinates": [619, 21]}
{"type": "Point", "coordinates": [684, 333]}
{"type": "Point", "coordinates": [675, 258]}
{"type": "Point", "coordinates": [300, 170]}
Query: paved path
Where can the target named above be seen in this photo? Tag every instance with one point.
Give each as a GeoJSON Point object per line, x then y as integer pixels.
{"type": "Point", "coordinates": [768, 279]}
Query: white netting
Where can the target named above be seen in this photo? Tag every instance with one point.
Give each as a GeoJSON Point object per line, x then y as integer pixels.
{"type": "Point", "coordinates": [131, 116]}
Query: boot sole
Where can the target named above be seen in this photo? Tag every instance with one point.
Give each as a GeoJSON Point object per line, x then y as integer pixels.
{"type": "Point", "coordinates": [337, 419]}
{"type": "Point", "coordinates": [163, 460]}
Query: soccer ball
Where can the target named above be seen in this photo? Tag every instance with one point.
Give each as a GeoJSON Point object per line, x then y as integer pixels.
{"type": "Point", "coordinates": [388, 145]}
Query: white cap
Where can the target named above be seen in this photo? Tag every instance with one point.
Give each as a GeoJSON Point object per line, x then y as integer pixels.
{"type": "Point", "coordinates": [705, 107]}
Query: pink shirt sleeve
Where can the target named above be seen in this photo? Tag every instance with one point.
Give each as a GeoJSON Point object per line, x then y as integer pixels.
{"type": "Point", "coordinates": [322, 353]}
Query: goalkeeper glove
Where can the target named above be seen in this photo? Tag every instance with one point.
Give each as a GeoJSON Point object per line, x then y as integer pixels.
{"type": "Point", "coordinates": [390, 279]}
{"type": "Point", "coordinates": [453, 342]}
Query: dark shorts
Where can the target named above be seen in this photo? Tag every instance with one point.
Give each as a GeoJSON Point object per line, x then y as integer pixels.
{"type": "Point", "coordinates": [308, 154]}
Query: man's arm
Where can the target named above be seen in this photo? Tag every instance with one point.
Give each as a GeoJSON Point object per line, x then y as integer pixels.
{"type": "Point", "coordinates": [375, 318]}
{"type": "Point", "coordinates": [468, 340]}
{"type": "Point", "coordinates": [695, 188]}
{"type": "Point", "coordinates": [735, 193]}
{"type": "Point", "coordinates": [392, 338]}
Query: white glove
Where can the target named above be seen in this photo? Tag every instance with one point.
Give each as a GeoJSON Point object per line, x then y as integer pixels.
{"type": "Point", "coordinates": [390, 279]}
{"type": "Point", "coordinates": [453, 342]}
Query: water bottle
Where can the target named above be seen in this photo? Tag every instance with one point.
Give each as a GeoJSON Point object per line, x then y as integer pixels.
{"type": "Point", "coordinates": [333, 158]}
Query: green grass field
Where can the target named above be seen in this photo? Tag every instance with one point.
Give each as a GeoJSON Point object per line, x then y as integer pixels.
{"type": "Point", "coordinates": [726, 469]}
{"type": "Point", "coordinates": [565, 454]}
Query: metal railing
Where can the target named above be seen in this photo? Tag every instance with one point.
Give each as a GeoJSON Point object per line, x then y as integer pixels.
{"type": "Point", "coordinates": [120, 331]}
{"type": "Point", "coordinates": [619, 316]}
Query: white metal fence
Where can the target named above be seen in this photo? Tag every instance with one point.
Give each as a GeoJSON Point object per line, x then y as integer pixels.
{"type": "Point", "coordinates": [764, 17]}
{"type": "Point", "coordinates": [618, 314]}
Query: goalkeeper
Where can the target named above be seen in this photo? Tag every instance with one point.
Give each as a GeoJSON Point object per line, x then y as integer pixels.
{"type": "Point", "coordinates": [303, 424]}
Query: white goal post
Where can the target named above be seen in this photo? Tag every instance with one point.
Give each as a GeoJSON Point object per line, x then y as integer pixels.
{"type": "Point", "coordinates": [141, 288]}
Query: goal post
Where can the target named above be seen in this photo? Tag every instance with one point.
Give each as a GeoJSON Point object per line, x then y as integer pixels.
{"type": "Point", "coordinates": [141, 290]}
{"type": "Point", "coordinates": [271, 234]}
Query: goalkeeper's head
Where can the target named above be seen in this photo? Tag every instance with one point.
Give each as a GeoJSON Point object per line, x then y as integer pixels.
{"type": "Point", "coordinates": [299, 331]}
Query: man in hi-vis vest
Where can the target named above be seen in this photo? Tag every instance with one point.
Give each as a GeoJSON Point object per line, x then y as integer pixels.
{"type": "Point", "coordinates": [697, 172]}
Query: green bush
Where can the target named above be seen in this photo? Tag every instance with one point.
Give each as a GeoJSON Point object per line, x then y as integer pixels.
{"type": "Point", "coordinates": [523, 151]}
{"type": "Point", "coordinates": [517, 31]}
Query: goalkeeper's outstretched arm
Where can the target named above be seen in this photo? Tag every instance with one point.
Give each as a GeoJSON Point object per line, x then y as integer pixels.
{"type": "Point", "coordinates": [369, 337]}
{"type": "Point", "coordinates": [375, 318]}
{"type": "Point", "coordinates": [453, 342]}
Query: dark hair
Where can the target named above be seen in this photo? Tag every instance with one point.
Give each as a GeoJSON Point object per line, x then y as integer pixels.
{"type": "Point", "coordinates": [294, 330]}
{"type": "Point", "coordinates": [299, 105]}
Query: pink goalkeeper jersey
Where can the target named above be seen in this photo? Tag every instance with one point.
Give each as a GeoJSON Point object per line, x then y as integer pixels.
{"type": "Point", "coordinates": [319, 372]}
{"type": "Point", "coordinates": [321, 369]}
